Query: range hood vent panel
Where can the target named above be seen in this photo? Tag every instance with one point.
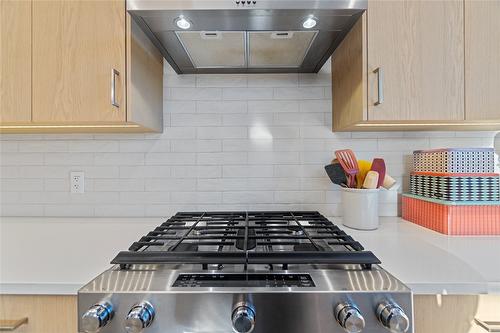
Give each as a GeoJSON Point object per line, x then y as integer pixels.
{"type": "Point", "coordinates": [279, 49]}
{"type": "Point", "coordinates": [214, 49]}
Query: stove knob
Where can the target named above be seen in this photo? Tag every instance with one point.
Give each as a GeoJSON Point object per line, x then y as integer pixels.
{"type": "Point", "coordinates": [140, 316]}
{"type": "Point", "coordinates": [97, 317]}
{"type": "Point", "coordinates": [393, 317]}
{"type": "Point", "coordinates": [243, 318]}
{"type": "Point", "coordinates": [349, 317]}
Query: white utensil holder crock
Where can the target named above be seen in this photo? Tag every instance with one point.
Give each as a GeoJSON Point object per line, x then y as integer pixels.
{"type": "Point", "coordinates": [360, 208]}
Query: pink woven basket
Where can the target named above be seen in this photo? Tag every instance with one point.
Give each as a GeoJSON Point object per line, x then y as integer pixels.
{"type": "Point", "coordinates": [452, 219]}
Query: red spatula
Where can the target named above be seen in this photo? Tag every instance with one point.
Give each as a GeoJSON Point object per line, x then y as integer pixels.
{"type": "Point", "coordinates": [348, 161]}
{"type": "Point", "coordinates": [378, 165]}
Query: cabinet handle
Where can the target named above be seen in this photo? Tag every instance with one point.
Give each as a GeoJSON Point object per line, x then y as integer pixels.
{"type": "Point", "coordinates": [380, 85]}
{"type": "Point", "coordinates": [12, 325]}
{"type": "Point", "coordinates": [489, 326]}
{"type": "Point", "coordinates": [114, 74]}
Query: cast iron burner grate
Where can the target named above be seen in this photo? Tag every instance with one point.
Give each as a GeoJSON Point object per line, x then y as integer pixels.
{"type": "Point", "coordinates": [247, 238]}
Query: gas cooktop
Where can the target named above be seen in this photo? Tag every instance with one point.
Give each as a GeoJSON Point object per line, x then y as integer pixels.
{"type": "Point", "coordinates": [246, 238]}
{"type": "Point", "coordinates": [255, 271]}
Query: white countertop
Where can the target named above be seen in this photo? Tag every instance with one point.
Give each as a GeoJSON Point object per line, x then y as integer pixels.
{"type": "Point", "coordinates": [59, 255]}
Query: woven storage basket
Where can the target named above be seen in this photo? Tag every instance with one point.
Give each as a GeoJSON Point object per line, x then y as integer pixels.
{"type": "Point", "coordinates": [456, 186]}
{"type": "Point", "coordinates": [455, 160]}
{"type": "Point", "coordinates": [463, 218]}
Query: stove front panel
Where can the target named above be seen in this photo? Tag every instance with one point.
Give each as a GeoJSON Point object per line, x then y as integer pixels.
{"type": "Point", "coordinates": [274, 312]}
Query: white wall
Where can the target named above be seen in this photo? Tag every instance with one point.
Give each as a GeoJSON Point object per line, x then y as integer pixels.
{"type": "Point", "coordinates": [230, 142]}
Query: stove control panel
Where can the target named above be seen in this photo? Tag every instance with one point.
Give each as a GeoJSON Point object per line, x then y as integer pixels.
{"type": "Point", "coordinates": [244, 280]}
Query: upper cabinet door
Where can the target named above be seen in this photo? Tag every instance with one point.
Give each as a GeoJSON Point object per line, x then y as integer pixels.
{"type": "Point", "coordinates": [482, 60]}
{"type": "Point", "coordinates": [15, 61]}
{"type": "Point", "coordinates": [415, 60]}
{"type": "Point", "coordinates": [78, 61]}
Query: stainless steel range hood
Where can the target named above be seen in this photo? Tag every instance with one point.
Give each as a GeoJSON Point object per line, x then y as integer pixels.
{"type": "Point", "coordinates": [231, 36]}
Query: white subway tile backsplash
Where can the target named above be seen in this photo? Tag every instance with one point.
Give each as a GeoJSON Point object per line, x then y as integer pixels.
{"type": "Point", "coordinates": [172, 107]}
{"type": "Point", "coordinates": [260, 158]}
{"type": "Point", "coordinates": [170, 185]}
{"type": "Point", "coordinates": [69, 159]}
{"type": "Point", "coordinates": [298, 119]}
{"type": "Point", "coordinates": [272, 107]}
{"type": "Point", "coordinates": [170, 158]}
{"type": "Point", "coordinates": [185, 146]}
{"type": "Point", "coordinates": [119, 159]}
{"type": "Point", "coordinates": [248, 171]}
{"type": "Point", "coordinates": [94, 146]}
{"type": "Point", "coordinates": [247, 93]}
{"type": "Point", "coordinates": [37, 146]}
{"type": "Point", "coordinates": [197, 197]}
{"type": "Point", "coordinates": [193, 119]}
{"type": "Point", "coordinates": [230, 142]}
{"type": "Point", "coordinates": [403, 144]}
{"type": "Point", "coordinates": [131, 146]}
{"type": "Point", "coordinates": [221, 107]}
{"type": "Point", "coordinates": [247, 197]}
{"type": "Point", "coordinates": [273, 80]}
{"type": "Point", "coordinates": [199, 171]}
{"type": "Point", "coordinates": [195, 94]}
{"type": "Point", "coordinates": [225, 158]}
{"type": "Point", "coordinates": [145, 172]}
{"type": "Point", "coordinates": [17, 159]}
{"type": "Point", "coordinates": [25, 184]}
{"type": "Point", "coordinates": [221, 132]}
{"type": "Point", "coordinates": [118, 185]}
{"type": "Point", "coordinates": [299, 93]}
{"type": "Point", "coordinates": [222, 80]}
{"type": "Point", "coordinates": [236, 119]}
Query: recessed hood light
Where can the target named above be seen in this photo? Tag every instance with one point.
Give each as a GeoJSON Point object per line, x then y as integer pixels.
{"type": "Point", "coordinates": [309, 23]}
{"type": "Point", "coordinates": [183, 23]}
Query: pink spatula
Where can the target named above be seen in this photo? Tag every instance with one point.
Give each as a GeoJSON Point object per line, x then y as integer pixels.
{"type": "Point", "coordinates": [349, 163]}
{"type": "Point", "coordinates": [378, 165]}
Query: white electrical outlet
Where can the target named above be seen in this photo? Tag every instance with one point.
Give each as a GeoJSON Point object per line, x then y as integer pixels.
{"type": "Point", "coordinates": [77, 180]}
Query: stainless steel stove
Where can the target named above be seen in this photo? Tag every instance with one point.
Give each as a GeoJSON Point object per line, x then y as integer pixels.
{"type": "Point", "coordinates": [245, 272]}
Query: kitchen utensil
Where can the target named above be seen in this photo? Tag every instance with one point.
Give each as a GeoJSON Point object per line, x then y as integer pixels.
{"type": "Point", "coordinates": [360, 208]}
{"type": "Point", "coordinates": [389, 182]}
{"type": "Point", "coordinates": [348, 161]}
{"type": "Point", "coordinates": [378, 165]}
{"type": "Point", "coordinates": [371, 180]}
{"type": "Point", "coordinates": [336, 173]}
{"type": "Point", "coordinates": [364, 167]}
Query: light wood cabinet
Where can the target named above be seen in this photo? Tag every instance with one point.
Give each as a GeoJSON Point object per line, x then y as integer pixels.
{"type": "Point", "coordinates": [418, 48]}
{"type": "Point", "coordinates": [408, 65]}
{"type": "Point", "coordinates": [92, 70]}
{"type": "Point", "coordinates": [482, 60]}
{"type": "Point", "coordinates": [454, 313]}
{"type": "Point", "coordinates": [76, 46]}
{"type": "Point", "coordinates": [46, 314]}
{"type": "Point", "coordinates": [15, 61]}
